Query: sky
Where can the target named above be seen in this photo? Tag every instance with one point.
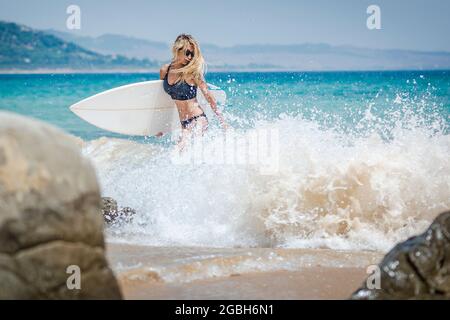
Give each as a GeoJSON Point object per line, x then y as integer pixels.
{"type": "Point", "coordinates": [405, 24]}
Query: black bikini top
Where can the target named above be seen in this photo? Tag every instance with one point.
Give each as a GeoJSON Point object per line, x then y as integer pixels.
{"type": "Point", "coordinates": [180, 90]}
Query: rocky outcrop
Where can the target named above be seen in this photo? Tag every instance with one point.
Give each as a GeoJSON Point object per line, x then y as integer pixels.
{"type": "Point", "coordinates": [113, 214]}
{"type": "Point", "coordinates": [418, 268]}
{"type": "Point", "coordinates": [51, 227]}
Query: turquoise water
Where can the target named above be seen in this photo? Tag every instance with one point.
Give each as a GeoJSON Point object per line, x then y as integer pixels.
{"type": "Point", "coordinates": [362, 159]}
{"type": "Point", "coordinates": [333, 99]}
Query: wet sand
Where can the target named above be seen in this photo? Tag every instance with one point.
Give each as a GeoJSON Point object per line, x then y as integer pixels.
{"type": "Point", "coordinates": [308, 283]}
{"type": "Point", "coordinates": [214, 273]}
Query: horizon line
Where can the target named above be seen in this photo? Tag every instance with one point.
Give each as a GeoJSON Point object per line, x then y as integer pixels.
{"type": "Point", "coordinates": [68, 71]}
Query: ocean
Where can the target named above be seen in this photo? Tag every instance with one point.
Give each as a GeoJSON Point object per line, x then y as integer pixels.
{"type": "Point", "coordinates": [362, 162]}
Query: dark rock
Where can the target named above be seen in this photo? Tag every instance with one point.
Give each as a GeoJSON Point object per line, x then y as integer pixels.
{"type": "Point", "coordinates": [113, 214]}
{"type": "Point", "coordinates": [418, 268]}
{"type": "Point", "coordinates": [127, 213]}
{"type": "Point", "coordinates": [49, 216]}
{"type": "Point", "coordinates": [109, 209]}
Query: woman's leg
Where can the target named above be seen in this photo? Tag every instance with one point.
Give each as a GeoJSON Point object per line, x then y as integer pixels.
{"type": "Point", "coordinates": [196, 128]}
{"type": "Point", "coordinates": [184, 139]}
{"type": "Point", "coordinates": [203, 123]}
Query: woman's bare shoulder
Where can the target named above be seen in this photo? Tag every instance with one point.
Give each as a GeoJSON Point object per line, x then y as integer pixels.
{"type": "Point", "coordinates": [165, 67]}
{"type": "Point", "coordinates": [163, 71]}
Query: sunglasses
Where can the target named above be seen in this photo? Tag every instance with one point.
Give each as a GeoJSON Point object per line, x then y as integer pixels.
{"type": "Point", "coordinates": [189, 53]}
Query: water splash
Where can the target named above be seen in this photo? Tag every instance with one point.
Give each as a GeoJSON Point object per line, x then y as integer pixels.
{"type": "Point", "coordinates": [362, 187]}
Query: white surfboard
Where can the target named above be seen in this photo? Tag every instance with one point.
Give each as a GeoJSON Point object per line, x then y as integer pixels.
{"type": "Point", "coordinates": [141, 109]}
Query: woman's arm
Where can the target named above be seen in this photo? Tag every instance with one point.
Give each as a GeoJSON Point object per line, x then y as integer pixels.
{"type": "Point", "coordinates": [212, 102]}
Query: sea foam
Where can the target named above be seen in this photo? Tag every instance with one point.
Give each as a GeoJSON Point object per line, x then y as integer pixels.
{"type": "Point", "coordinates": [361, 189]}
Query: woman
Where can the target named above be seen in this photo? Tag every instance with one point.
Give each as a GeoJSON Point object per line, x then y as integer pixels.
{"type": "Point", "coordinates": [181, 78]}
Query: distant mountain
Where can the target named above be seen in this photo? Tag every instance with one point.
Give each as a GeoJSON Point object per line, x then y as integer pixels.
{"type": "Point", "coordinates": [324, 57]}
{"type": "Point", "coordinates": [24, 48]}
{"type": "Point", "coordinates": [306, 56]}
{"type": "Point", "coordinates": [117, 44]}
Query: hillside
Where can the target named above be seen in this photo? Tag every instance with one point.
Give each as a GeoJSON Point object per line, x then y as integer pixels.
{"type": "Point", "coordinates": [24, 48]}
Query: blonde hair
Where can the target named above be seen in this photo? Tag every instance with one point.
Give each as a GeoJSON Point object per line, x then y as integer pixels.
{"type": "Point", "coordinates": [196, 67]}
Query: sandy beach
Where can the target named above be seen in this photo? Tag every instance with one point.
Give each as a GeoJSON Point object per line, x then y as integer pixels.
{"type": "Point", "coordinates": [238, 273]}
{"type": "Point", "coordinates": [308, 283]}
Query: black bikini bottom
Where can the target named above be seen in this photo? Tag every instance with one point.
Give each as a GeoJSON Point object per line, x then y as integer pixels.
{"type": "Point", "coordinates": [185, 123]}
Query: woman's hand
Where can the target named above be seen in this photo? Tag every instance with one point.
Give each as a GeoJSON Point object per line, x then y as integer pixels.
{"type": "Point", "coordinates": [224, 125]}
{"type": "Point", "coordinates": [219, 115]}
